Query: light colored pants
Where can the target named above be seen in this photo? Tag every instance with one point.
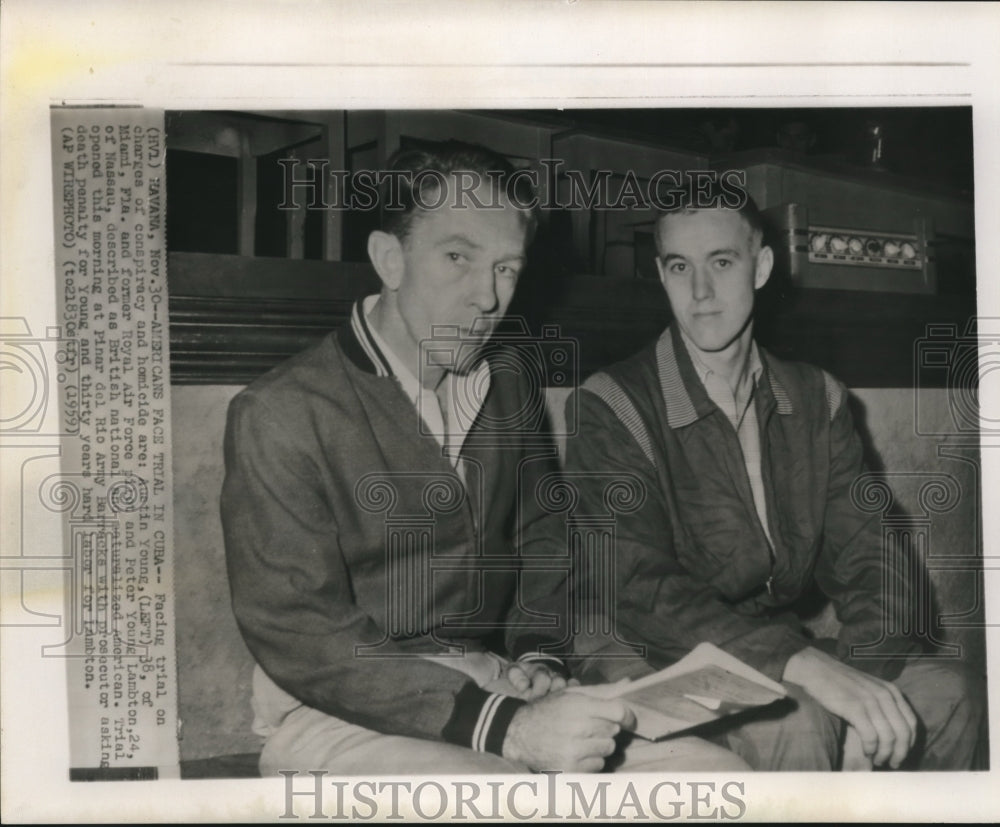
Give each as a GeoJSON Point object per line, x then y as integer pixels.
{"type": "Point", "coordinates": [800, 735]}
{"type": "Point", "coordinates": [947, 702]}
{"type": "Point", "coordinates": [299, 737]}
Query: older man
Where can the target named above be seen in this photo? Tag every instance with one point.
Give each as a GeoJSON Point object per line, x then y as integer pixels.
{"type": "Point", "coordinates": [377, 550]}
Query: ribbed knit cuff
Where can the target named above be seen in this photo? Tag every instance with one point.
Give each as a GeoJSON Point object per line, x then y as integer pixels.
{"type": "Point", "coordinates": [480, 719]}
{"type": "Point", "coordinates": [532, 649]}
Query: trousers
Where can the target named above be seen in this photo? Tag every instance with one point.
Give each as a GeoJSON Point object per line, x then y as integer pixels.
{"type": "Point", "coordinates": [798, 734]}
{"type": "Point", "coordinates": [299, 737]}
{"type": "Point", "coordinates": [801, 735]}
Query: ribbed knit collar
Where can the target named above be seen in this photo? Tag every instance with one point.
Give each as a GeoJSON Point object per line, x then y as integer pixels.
{"type": "Point", "coordinates": [684, 395]}
{"type": "Point", "coordinates": [359, 344]}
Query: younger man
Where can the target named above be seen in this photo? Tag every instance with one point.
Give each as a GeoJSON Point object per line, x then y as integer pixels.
{"type": "Point", "coordinates": [747, 463]}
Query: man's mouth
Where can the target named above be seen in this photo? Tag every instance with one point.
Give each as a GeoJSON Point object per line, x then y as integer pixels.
{"type": "Point", "coordinates": [482, 329]}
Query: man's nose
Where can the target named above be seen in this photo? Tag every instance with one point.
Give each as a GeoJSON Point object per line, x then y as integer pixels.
{"type": "Point", "coordinates": [484, 290]}
{"type": "Point", "coordinates": [701, 284]}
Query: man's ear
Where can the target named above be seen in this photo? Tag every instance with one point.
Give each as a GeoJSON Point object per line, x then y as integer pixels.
{"type": "Point", "coordinates": [386, 254]}
{"type": "Point", "coordinates": [765, 261]}
{"type": "Point", "coordinates": [659, 269]}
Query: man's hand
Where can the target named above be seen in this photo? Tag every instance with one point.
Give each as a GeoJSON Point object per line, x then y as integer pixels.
{"type": "Point", "coordinates": [533, 680]}
{"type": "Point", "coordinates": [567, 731]}
{"type": "Point", "coordinates": [876, 709]}
{"type": "Point", "coordinates": [855, 759]}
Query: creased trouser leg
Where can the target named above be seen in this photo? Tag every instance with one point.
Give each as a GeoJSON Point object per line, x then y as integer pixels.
{"type": "Point", "coordinates": [951, 706]}
{"type": "Point", "coordinates": [796, 734]}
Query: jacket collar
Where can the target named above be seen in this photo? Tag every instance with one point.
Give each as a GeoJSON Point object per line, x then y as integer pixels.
{"type": "Point", "coordinates": [369, 352]}
{"type": "Point", "coordinates": [357, 341]}
{"type": "Point", "coordinates": [683, 393]}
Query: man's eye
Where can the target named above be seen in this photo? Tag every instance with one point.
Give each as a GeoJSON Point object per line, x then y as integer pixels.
{"type": "Point", "coordinates": [722, 263]}
{"type": "Point", "coordinates": [506, 271]}
{"type": "Point", "coordinates": [456, 257]}
{"type": "Point", "coordinates": [678, 267]}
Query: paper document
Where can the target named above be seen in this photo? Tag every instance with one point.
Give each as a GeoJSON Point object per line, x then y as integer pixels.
{"type": "Point", "coordinates": [705, 685]}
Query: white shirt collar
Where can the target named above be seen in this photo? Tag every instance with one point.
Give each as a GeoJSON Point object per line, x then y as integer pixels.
{"type": "Point", "coordinates": [754, 365]}
{"type": "Point", "coordinates": [718, 390]}
{"type": "Point", "coordinates": [407, 381]}
{"type": "Point", "coordinates": [471, 388]}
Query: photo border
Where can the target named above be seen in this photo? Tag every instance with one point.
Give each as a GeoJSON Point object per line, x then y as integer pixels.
{"type": "Point", "coordinates": [186, 55]}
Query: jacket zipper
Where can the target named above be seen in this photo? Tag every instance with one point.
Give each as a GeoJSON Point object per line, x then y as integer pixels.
{"type": "Point", "coordinates": [769, 584]}
{"type": "Point", "coordinates": [748, 490]}
{"type": "Point", "coordinates": [765, 479]}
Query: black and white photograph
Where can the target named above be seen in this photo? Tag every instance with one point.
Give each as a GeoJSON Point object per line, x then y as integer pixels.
{"type": "Point", "coordinates": [860, 259]}
{"type": "Point", "coordinates": [449, 435]}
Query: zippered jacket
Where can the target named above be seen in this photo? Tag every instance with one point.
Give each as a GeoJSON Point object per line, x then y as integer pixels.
{"type": "Point", "coordinates": [692, 562]}
{"type": "Point", "coordinates": [353, 547]}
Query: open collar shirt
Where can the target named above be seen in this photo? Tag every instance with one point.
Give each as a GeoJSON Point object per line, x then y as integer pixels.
{"type": "Point", "coordinates": [741, 413]}
{"type": "Point", "coordinates": [447, 416]}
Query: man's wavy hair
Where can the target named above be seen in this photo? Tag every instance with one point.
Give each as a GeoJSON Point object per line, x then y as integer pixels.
{"type": "Point", "coordinates": [719, 197]}
{"type": "Point", "coordinates": [432, 166]}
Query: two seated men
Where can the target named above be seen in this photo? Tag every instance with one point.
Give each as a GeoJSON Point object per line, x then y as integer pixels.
{"type": "Point", "coordinates": [391, 566]}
